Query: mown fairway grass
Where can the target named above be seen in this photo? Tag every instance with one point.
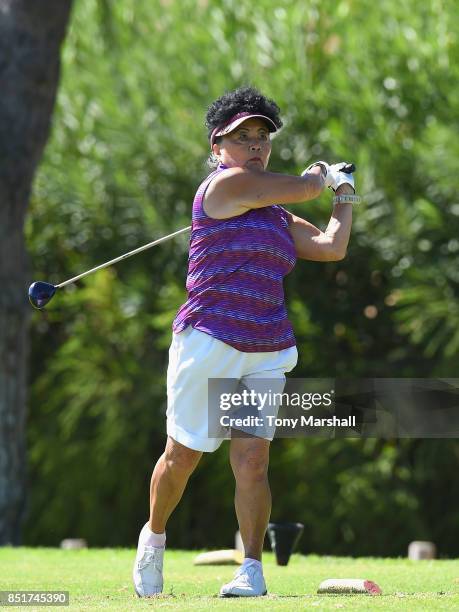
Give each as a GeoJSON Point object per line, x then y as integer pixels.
{"type": "Point", "coordinates": [101, 580]}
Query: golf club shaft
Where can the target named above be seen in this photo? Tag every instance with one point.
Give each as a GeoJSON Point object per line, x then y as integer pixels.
{"type": "Point", "coordinates": [113, 261]}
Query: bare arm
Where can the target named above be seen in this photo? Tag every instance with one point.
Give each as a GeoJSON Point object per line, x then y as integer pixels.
{"type": "Point", "coordinates": [331, 245]}
{"type": "Point", "coordinates": [237, 190]}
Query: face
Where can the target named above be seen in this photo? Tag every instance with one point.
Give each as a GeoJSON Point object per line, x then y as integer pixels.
{"type": "Point", "coordinates": [241, 147]}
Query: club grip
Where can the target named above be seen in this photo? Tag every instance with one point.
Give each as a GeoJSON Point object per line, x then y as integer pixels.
{"type": "Point", "coordinates": [348, 168]}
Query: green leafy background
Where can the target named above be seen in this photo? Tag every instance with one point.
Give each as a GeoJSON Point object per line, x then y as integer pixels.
{"type": "Point", "coordinates": [375, 83]}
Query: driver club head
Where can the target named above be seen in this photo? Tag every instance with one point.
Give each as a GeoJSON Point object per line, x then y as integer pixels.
{"type": "Point", "coordinates": [40, 293]}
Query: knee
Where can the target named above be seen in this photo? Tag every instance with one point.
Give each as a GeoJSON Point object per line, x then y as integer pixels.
{"type": "Point", "coordinates": [179, 458]}
{"type": "Point", "coordinates": [250, 468]}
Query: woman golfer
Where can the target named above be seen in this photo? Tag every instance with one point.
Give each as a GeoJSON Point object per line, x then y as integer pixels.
{"type": "Point", "coordinates": [234, 323]}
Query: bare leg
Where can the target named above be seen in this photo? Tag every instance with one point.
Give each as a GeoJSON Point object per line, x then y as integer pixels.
{"type": "Point", "coordinates": [168, 481]}
{"type": "Point", "coordinates": [249, 461]}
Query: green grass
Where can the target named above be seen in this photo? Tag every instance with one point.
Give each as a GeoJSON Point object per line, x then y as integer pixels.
{"type": "Point", "coordinates": [101, 580]}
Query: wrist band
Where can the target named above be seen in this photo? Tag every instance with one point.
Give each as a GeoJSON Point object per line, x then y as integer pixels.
{"type": "Point", "coordinates": [346, 199]}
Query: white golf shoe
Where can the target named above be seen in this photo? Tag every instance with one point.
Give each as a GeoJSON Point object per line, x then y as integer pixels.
{"type": "Point", "coordinates": [248, 582]}
{"type": "Point", "coordinates": [148, 571]}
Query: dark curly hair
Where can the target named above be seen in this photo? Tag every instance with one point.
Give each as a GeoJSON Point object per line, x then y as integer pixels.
{"type": "Point", "coordinates": [240, 100]}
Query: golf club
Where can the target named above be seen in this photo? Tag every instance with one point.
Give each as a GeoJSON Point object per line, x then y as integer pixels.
{"type": "Point", "coordinates": [40, 293]}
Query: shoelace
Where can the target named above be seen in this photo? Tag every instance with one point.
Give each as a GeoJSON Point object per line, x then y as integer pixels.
{"type": "Point", "coordinates": [248, 569]}
{"type": "Point", "coordinates": [151, 556]}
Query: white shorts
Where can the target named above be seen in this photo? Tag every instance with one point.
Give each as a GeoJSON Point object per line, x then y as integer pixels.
{"type": "Point", "coordinates": [194, 357]}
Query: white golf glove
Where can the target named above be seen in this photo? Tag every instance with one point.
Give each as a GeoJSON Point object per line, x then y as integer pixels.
{"type": "Point", "coordinates": [334, 176]}
{"type": "Point", "coordinates": [337, 177]}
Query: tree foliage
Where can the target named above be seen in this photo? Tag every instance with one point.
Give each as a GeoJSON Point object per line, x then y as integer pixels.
{"type": "Point", "coordinates": [127, 153]}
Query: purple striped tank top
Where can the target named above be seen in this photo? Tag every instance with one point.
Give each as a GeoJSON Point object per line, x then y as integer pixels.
{"type": "Point", "coordinates": [236, 268]}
